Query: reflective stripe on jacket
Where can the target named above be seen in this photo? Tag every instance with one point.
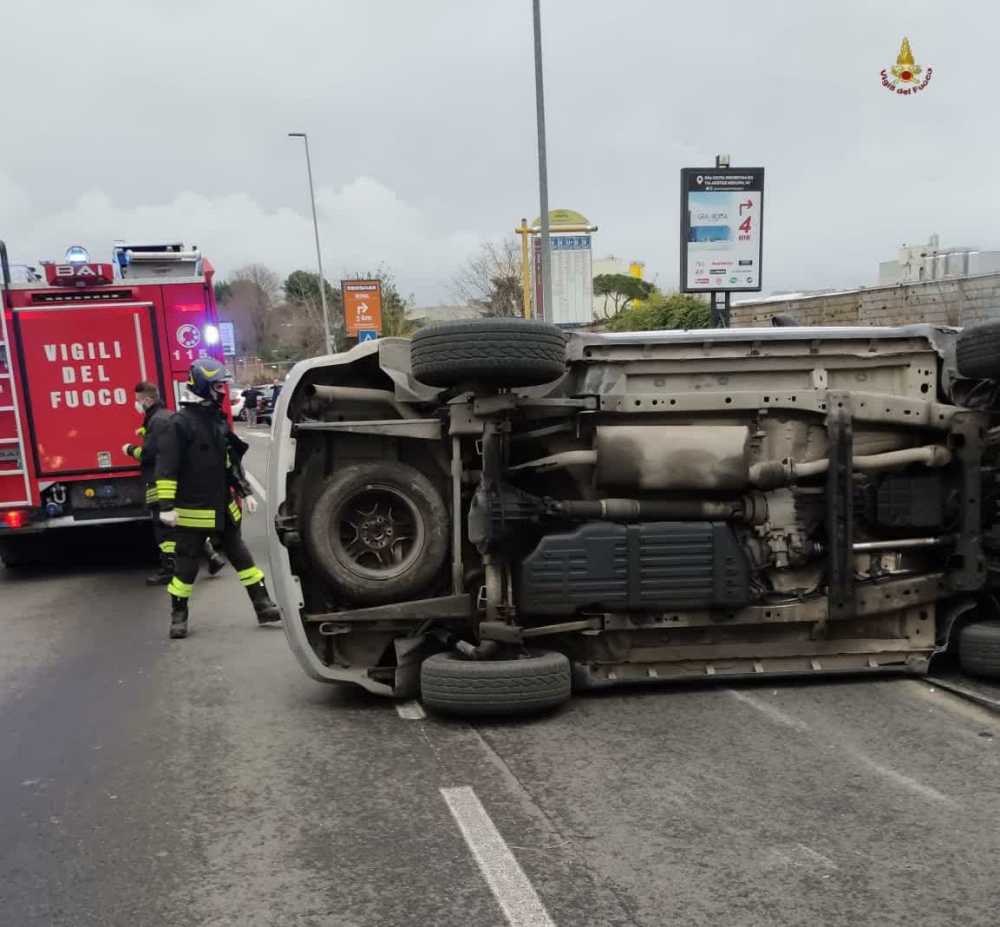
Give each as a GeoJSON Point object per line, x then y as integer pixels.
{"type": "Point", "coordinates": [197, 466]}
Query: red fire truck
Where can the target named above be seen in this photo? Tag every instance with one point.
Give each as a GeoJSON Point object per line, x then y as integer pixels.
{"type": "Point", "coordinates": [74, 341]}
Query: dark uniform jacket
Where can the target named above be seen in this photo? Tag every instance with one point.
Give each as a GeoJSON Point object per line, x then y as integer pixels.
{"type": "Point", "coordinates": [154, 423]}
{"type": "Point", "coordinates": [198, 465]}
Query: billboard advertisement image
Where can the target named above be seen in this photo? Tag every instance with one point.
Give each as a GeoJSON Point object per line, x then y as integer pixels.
{"type": "Point", "coordinates": [721, 229]}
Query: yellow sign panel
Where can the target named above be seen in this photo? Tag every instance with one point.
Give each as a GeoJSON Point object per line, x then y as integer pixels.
{"type": "Point", "coordinates": [564, 217]}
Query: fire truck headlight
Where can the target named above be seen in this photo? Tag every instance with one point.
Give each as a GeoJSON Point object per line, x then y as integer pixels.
{"type": "Point", "coordinates": [210, 334]}
{"type": "Point", "coordinates": [77, 254]}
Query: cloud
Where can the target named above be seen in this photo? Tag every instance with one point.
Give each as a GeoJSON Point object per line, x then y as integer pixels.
{"type": "Point", "coordinates": [362, 225]}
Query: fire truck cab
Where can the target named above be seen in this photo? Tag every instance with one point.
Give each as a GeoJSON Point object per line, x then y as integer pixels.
{"type": "Point", "coordinates": [74, 341]}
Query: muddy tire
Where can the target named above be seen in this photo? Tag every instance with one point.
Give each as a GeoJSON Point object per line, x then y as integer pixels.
{"type": "Point", "coordinates": [453, 685]}
{"type": "Point", "coordinates": [495, 353]}
{"type": "Point", "coordinates": [979, 649]}
{"type": "Point", "coordinates": [378, 532]}
{"type": "Point", "coordinates": [977, 351]}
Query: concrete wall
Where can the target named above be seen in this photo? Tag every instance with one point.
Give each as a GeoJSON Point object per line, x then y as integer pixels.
{"type": "Point", "coordinates": [961, 301]}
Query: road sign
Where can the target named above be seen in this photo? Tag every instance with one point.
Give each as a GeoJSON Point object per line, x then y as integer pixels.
{"type": "Point", "coordinates": [572, 279]}
{"type": "Point", "coordinates": [362, 306]}
{"type": "Point", "coordinates": [722, 209]}
{"type": "Point", "coordinates": [227, 335]}
{"type": "Point", "coordinates": [367, 334]}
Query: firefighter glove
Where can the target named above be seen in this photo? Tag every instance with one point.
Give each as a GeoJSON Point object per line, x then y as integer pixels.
{"type": "Point", "coordinates": [251, 504]}
{"type": "Point", "coordinates": [169, 518]}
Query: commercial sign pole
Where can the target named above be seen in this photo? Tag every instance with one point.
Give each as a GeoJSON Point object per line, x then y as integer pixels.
{"type": "Point", "coordinates": [722, 211]}
{"type": "Point", "coordinates": [319, 254]}
{"type": "Point", "coordinates": [545, 310]}
{"type": "Point", "coordinates": [524, 230]}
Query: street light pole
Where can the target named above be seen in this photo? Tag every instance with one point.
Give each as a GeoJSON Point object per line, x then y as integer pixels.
{"type": "Point", "coordinates": [319, 255]}
{"type": "Point", "coordinates": [545, 310]}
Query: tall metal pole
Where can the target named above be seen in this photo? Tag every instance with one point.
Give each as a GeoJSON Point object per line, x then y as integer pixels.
{"type": "Point", "coordinates": [546, 309]}
{"type": "Point", "coordinates": [319, 255]}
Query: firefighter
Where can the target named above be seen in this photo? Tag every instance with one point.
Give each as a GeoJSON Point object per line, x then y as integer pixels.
{"type": "Point", "coordinates": [155, 419]}
{"type": "Point", "coordinates": [200, 486]}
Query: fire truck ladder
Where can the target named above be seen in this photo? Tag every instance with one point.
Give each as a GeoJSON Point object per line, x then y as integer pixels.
{"type": "Point", "coordinates": [14, 486]}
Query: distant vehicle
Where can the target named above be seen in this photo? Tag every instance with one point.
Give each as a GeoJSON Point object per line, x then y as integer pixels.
{"type": "Point", "coordinates": [269, 393]}
{"type": "Point", "coordinates": [236, 403]}
{"type": "Point", "coordinates": [73, 345]}
{"type": "Point", "coordinates": [496, 511]}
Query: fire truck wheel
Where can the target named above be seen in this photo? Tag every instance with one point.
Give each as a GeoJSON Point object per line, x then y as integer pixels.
{"type": "Point", "coordinates": [18, 552]}
{"type": "Point", "coordinates": [495, 353]}
{"type": "Point", "coordinates": [536, 682]}
{"type": "Point", "coordinates": [979, 649]}
{"type": "Point", "coordinates": [977, 351]}
{"type": "Point", "coordinates": [378, 532]}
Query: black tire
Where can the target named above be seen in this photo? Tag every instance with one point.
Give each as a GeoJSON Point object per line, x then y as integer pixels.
{"type": "Point", "coordinates": [476, 688]}
{"type": "Point", "coordinates": [16, 552]}
{"type": "Point", "coordinates": [497, 353]}
{"type": "Point", "coordinates": [979, 649]}
{"type": "Point", "coordinates": [977, 351]}
{"type": "Point", "coordinates": [413, 537]}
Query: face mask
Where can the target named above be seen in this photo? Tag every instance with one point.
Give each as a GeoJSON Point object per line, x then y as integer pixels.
{"type": "Point", "coordinates": [140, 408]}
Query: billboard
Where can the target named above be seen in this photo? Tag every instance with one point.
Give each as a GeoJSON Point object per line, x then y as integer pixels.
{"type": "Point", "coordinates": [362, 306]}
{"type": "Point", "coordinates": [722, 210]}
{"type": "Point", "coordinates": [572, 279]}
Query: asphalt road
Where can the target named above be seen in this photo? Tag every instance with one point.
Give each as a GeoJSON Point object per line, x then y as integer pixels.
{"type": "Point", "coordinates": [208, 782]}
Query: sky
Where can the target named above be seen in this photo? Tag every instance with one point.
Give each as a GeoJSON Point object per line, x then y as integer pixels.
{"type": "Point", "coordinates": [146, 120]}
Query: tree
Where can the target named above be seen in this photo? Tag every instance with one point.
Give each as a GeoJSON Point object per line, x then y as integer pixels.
{"type": "Point", "coordinates": [491, 279]}
{"type": "Point", "coordinates": [661, 311]}
{"type": "Point", "coordinates": [619, 290]}
{"type": "Point", "coordinates": [302, 285]}
{"type": "Point", "coordinates": [304, 312]}
{"type": "Point", "coordinates": [249, 298]}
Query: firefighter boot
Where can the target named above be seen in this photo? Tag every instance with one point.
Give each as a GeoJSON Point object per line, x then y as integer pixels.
{"type": "Point", "coordinates": [215, 561]}
{"type": "Point", "coordinates": [178, 617]}
{"type": "Point", "coordinates": [266, 610]}
{"type": "Point", "coordinates": [163, 575]}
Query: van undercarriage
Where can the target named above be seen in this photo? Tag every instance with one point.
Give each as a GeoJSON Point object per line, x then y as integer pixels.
{"type": "Point", "coordinates": [496, 509]}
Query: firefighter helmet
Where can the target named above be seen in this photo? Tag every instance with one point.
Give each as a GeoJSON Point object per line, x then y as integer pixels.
{"type": "Point", "coordinates": [207, 378]}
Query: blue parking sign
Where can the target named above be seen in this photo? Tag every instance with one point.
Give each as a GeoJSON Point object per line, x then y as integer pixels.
{"type": "Point", "coordinates": [367, 334]}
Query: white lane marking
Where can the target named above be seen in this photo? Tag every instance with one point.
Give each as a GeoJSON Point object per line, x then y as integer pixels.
{"type": "Point", "coordinates": [798, 855]}
{"type": "Point", "coordinates": [138, 344]}
{"type": "Point", "coordinates": [925, 791]}
{"type": "Point", "coordinates": [775, 714]}
{"type": "Point", "coordinates": [257, 488]}
{"type": "Point", "coordinates": [411, 711]}
{"type": "Point", "coordinates": [510, 886]}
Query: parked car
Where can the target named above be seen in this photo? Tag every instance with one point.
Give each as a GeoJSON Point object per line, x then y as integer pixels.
{"type": "Point", "coordinates": [265, 405]}
{"type": "Point", "coordinates": [236, 403]}
{"type": "Point", "coordinates": [496, 511]}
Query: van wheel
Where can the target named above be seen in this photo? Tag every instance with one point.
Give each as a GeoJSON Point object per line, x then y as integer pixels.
{"type": "Point", "coordinates": [378, 532]}
{"type": "Point", "coordinates": [979, 649]}
{"type": "Point", "coordinates": [496, 353]}
{"type": "Point", "coordinates": [526, 685]}
{"type": "Point", "coordinates": [977, 351]}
